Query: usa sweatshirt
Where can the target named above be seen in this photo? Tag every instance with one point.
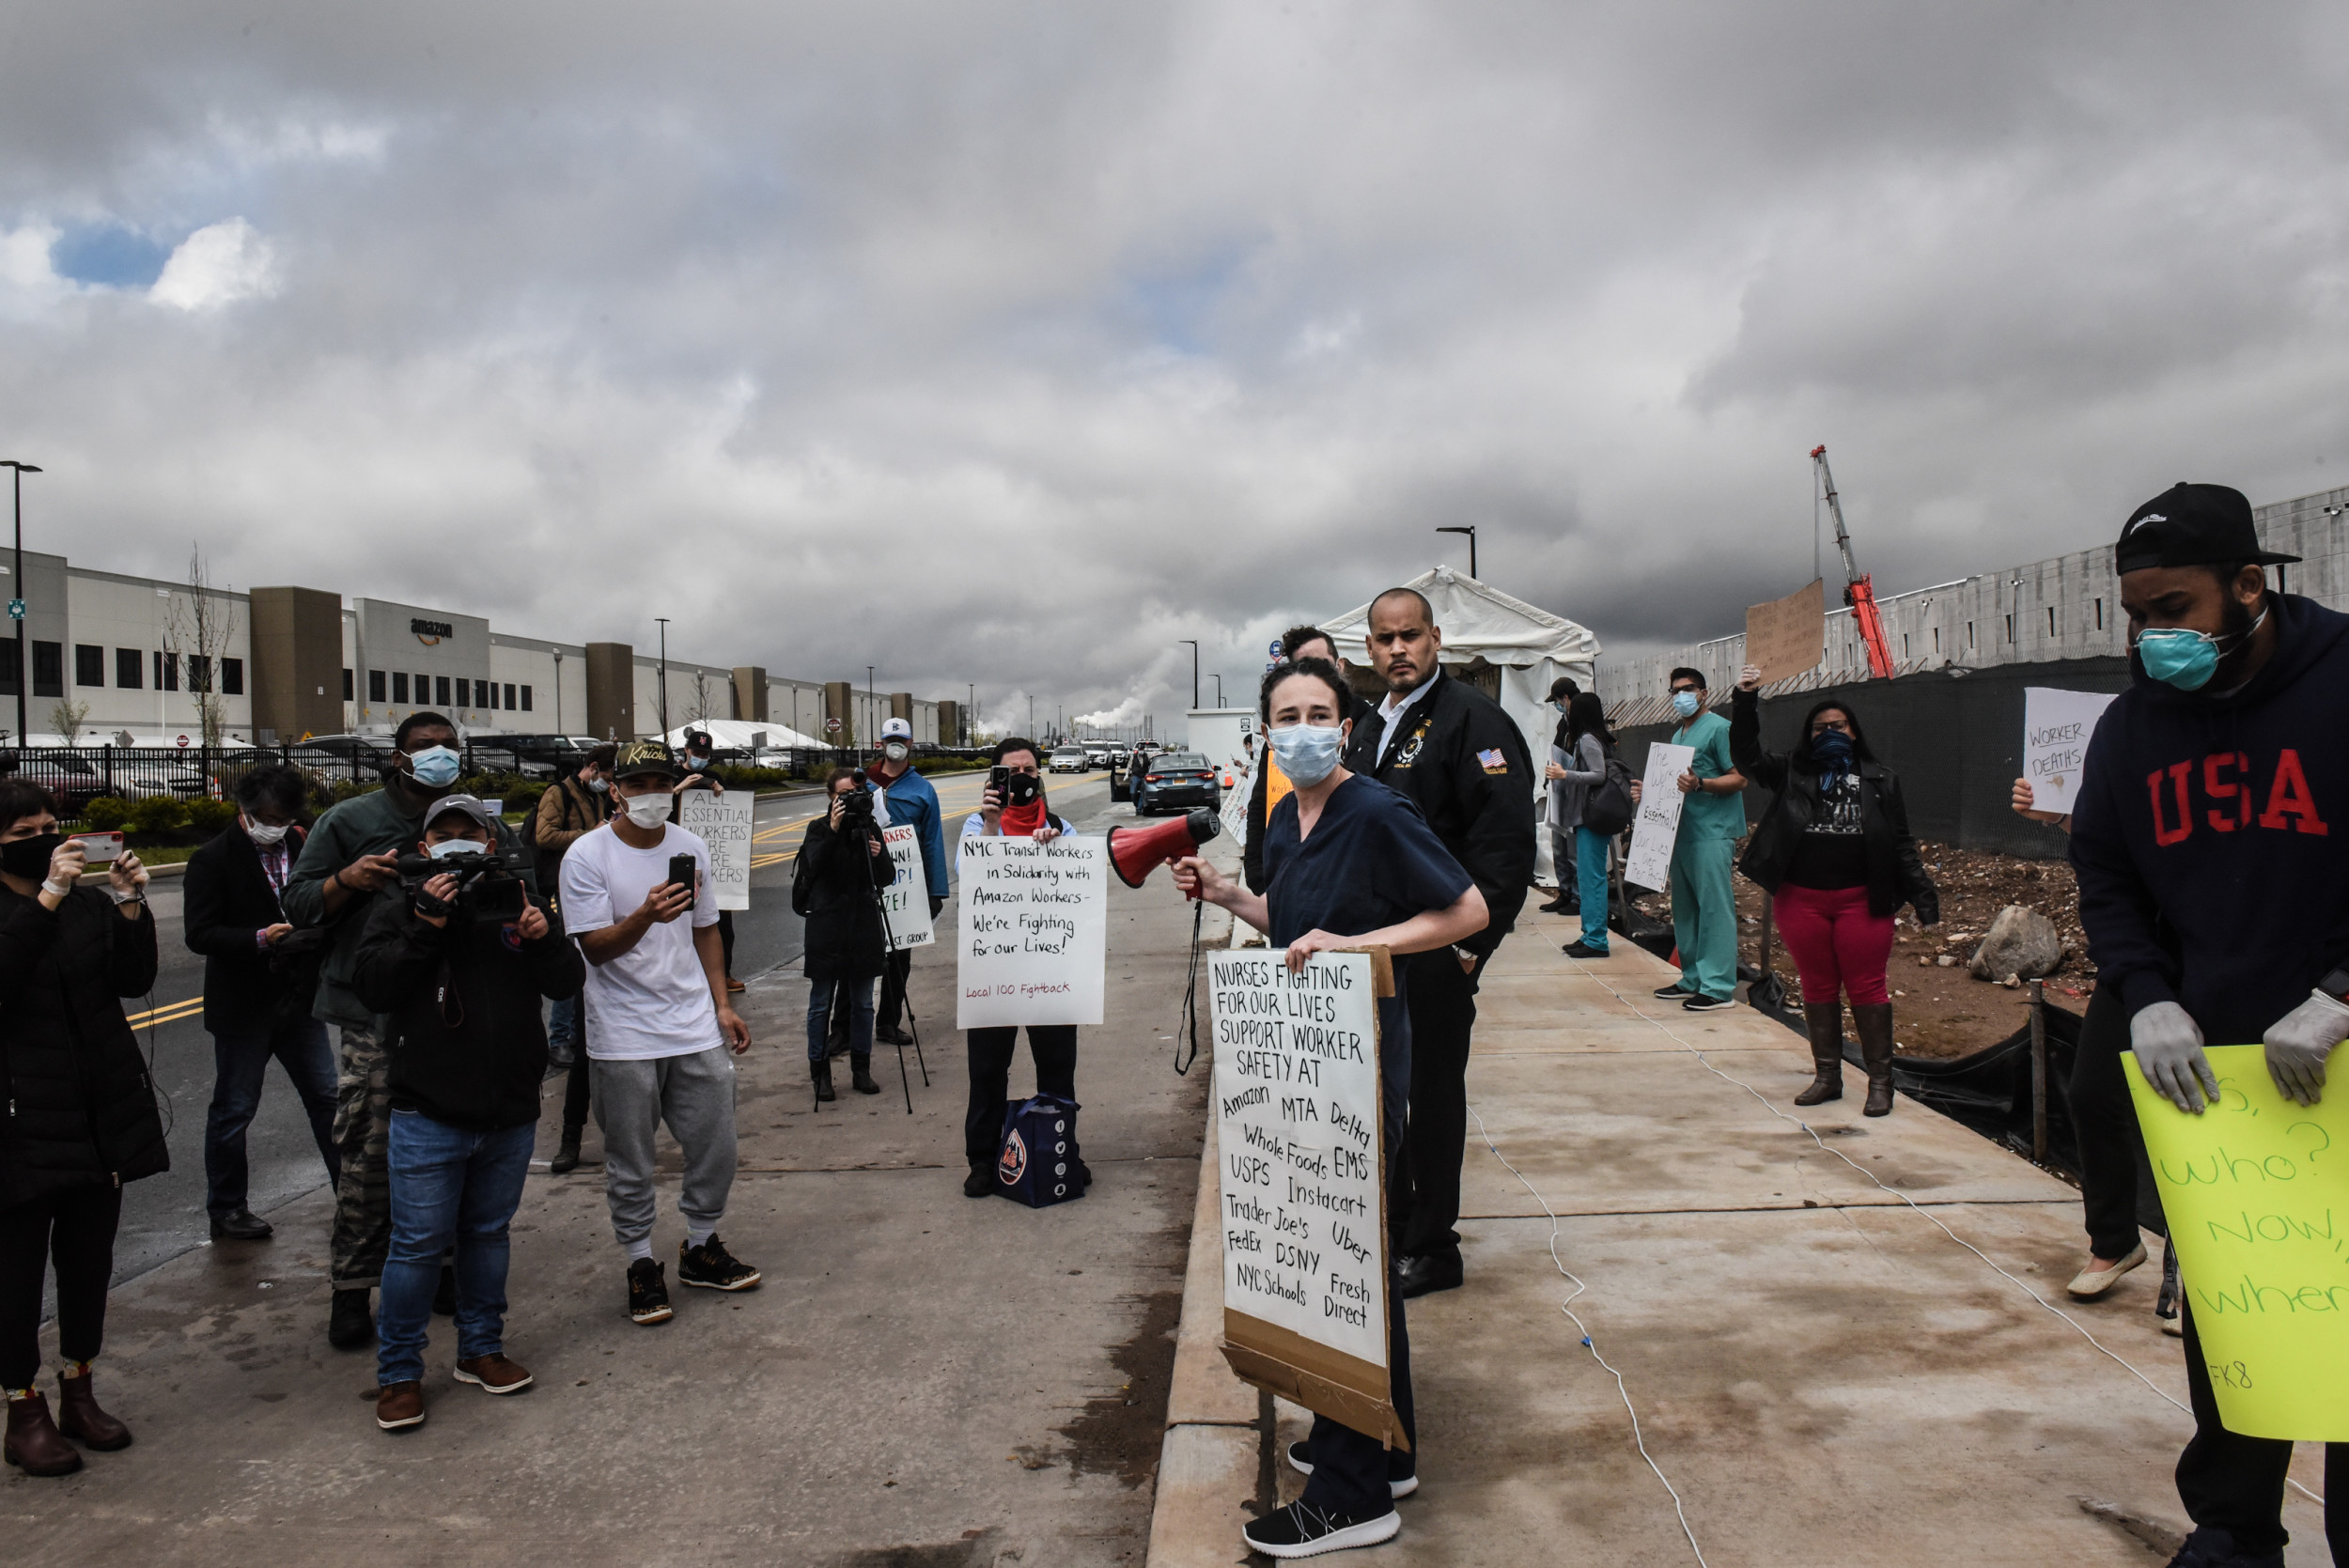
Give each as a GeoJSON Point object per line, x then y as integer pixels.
{"type": "Point", "coordinates": [2211, 836]}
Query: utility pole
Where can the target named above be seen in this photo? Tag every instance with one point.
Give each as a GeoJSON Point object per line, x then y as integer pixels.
{"type": "Point", "coordinates": [1194, 643]}
{"type": "Point", "coordinates": [869, 710]}
{"type": "Point", "coordinates": [558, 691]}
{"type": "Point", "coordinates": [16, 601]}
{"type": "Point", "coordinates": [664, 678]}
{"type": "Point", "coordinates": [970, 696]}
{"type": "Point", "coordinates": [1470, 531]}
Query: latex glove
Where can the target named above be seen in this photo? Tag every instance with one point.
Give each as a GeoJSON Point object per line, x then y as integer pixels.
{"type": "Point", "coordinates": [2168, 1047]}
{"type": "Point", "coordinates": [2298, 1044]}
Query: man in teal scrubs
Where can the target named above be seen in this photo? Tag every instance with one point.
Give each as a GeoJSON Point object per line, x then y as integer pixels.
{"type": "Point", "coordinates": [1712, 818]}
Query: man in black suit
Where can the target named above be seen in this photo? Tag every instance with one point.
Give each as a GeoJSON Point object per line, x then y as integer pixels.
{"type": "Point", "coordinates": [259, 976]}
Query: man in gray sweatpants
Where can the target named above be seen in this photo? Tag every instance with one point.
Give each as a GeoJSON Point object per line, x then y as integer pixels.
{"type": "Point", "coordinates": [661, 1030]}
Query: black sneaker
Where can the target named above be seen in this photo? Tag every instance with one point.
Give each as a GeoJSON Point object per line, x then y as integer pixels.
{"type": "Point", "coordinates": [649, 1293]}
{"type": "Point", "coordinates": [892, 1035]}
{"type": "Point", "coordinates": [1673, 990]}
{"type": "Point", "coordinates": [2214, 1548]}
{"type": "Point", "coordinates": [712, 1267]}
{"type": "Point", "coordinates": [1301, 1529]}
{"type": "Point", "coordinates": [980, 1182]}
{"type": "Point", "coordinates": [1582, 950]}
{"type": "Point", "coordinates": [351, 1325]}
{"type": "Point", "coordinates": [1709, 1004]}
{"type": "Point", "coordinates": [1398, 1487]}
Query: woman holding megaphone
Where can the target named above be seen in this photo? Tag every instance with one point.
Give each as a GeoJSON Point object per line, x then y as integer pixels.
{"type": "Point", "coordinates": [1347, 863]}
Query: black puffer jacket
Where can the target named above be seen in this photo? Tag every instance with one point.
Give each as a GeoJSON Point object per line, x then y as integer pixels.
{"type": "Point", "coordinates": [1896, 874]}
{"type": "Point", "coordinates": [843, 935]}
{"type": "Point", "coordinates": [80, 1106]}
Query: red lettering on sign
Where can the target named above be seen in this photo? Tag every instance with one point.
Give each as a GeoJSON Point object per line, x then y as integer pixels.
{"type": "Point", "coordinates": [2290, 797]}
{"type": "Point", "coordinates": [2179, 772]}
{"type": "Point", "coordinates": [2217, 789]}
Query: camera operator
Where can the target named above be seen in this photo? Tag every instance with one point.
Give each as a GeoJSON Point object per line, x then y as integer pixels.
{"type": "Point", "coordinates": [351, 856]}
{"type": "Point", "coordinates": [659, 1025]}
{"type": "Point", "coordinates": [699, 760]}
{"type": "Point", "coordinates": [567, 810]}
{"type": "Point", "coordinates": [1012, 806]}
{"type": "Point", "coordinates": [904, 799]}
{"type": "Point", "coordinates": [842, 868]}
{"type": "Point", "coordinates": [460, 985]}
{"type": "Point", "coordinates": [261, 979]}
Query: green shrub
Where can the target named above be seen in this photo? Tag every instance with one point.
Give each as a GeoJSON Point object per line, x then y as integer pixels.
{"type": "Point", "coordinates": [158, 814]}
{"type": "Point", "coordinates": [752, 778]}
{"type": "Point", "coordinates": [105, 814]}
{"type": "Point", "coordinates": [208, 816]}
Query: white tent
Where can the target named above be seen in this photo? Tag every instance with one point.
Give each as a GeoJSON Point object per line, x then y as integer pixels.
{"type": "Point", "coordinates": [1484, 628]}
{"type": "Point", "coordinates": [734, 735]}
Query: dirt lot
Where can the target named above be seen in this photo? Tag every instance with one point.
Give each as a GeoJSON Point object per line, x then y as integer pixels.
{"type": "Point", "coordinates": [1939, 1009]}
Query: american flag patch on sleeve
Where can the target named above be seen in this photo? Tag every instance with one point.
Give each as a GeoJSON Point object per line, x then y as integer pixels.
{"type": "Point", "coordinates": [1494, 762]}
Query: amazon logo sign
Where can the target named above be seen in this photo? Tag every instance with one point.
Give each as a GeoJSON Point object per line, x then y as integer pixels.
{"type": "Point", "coordinates": [430, 633]}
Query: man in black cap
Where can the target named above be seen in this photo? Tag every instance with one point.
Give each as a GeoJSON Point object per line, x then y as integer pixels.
{"type": "Point", "coordinates": [2212, 844]}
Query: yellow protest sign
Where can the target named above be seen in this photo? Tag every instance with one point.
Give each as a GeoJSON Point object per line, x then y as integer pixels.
{"type": "Point", "coordinates": [2256, 1190]}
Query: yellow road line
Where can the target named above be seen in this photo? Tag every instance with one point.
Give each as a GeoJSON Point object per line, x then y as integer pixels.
{"type": "Point", "coordinates": [168, 1012]}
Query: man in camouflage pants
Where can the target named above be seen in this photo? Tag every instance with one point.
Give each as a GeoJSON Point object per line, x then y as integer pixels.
{"type": "Point", "coordinates": [354, 850]}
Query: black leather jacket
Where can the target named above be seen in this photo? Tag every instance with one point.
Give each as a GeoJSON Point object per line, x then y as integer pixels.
{"type": "Point", "coordinates": [1896, 874]}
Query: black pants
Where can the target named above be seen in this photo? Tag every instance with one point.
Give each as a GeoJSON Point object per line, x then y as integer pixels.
{"type": "Point", "coordinates": [1054, 1048]}
{"type": "Point", "coordinates": [1351, 1468]}
{"type": "Point", "coordinates": [575, 1096]}
{"type": "Point", "coordinates": [74, 1231]}
{"type": "Point", "coordinates": [2236, 1483]}
{"type": "Point", "coordinates": [1442, 1005]}
{"type": "Point", "coordinates": [894, 971]}
{"type": "Point", "coordinates": [725, 939]}
{"type": "Point", "coordinates": [2117, 1191]}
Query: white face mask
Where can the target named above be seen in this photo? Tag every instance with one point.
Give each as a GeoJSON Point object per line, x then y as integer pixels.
{"type": "Point", "coordinates": [448, 846]}
{"type": "Point", "coordinates": [649, 811]}
{"type": "Point", "coordinates": [263, 834]}
{"type": "Point", "coordinates": [896, 750]}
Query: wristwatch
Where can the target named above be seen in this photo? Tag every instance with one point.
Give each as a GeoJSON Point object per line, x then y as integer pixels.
{"type": "Point", "coordinates": [2335, 985]}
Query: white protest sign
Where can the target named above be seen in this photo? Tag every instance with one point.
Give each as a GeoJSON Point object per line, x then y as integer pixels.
{"type": "Point", "coordinates": [907, 900]}
{"type": "Point", "coordinates": [1035, 936]}
{"type": "Point", "coordinates": [724, 823]}
{"type": "Point", "coordinates": [1235, 805]}
{"type": "Point", "coordinates": [1298, 1125]}
{"type": "Point", "coordinates": [2056, 728]}
{"type": "Point", "coordinates": [1657, 821]}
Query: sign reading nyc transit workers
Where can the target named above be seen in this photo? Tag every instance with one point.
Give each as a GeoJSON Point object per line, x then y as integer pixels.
{"type": "Point", "coordinates": [1301, 1211]}
{"type": "Point", "coordinates": [1034, 939]}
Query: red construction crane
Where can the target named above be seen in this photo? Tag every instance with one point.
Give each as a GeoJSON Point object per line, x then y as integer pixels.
{"type": "Point", "coordinates": [1858, 592]}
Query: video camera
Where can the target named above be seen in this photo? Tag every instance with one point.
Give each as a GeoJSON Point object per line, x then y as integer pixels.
{"type": "Point", "coordinates": [856, 807]}
{"type": "Point", "coordinates": [487, 888]}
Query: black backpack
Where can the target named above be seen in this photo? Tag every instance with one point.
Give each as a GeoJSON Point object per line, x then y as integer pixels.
{"type": "Point", "coordinates": [1609, 809]}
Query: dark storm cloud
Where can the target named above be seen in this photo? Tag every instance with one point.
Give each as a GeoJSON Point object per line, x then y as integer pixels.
{"type": "Point", "coordinates": [1013, 343]}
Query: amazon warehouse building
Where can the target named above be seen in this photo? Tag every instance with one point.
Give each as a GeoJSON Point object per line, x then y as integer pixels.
{"type": "Point", "coordinates": [120, 660]}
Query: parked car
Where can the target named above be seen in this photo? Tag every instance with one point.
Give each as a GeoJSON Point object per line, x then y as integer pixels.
{"type": "Point", "coordinates": [344, 756]}
{"type": "Point", "coordinates": [1121, 771]}
{"type": "Point", "coordinates": [1097, 754]}
{"type": "Point", "coordinates": [1174, 780]}
{"type": "Point", "coordinates": [1070, 759]}
{"type": "Point", "coordinates": [70, 779]}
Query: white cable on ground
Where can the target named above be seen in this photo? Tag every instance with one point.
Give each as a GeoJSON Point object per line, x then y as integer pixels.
{"type": "Point", "coordinates": [1796, 1121]}
{"type": "Point", "coordinates": [1567, 1307]}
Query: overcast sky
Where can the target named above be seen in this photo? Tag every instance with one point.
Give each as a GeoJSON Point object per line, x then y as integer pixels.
{"type": "Point", "coordinates": [1009, 343]}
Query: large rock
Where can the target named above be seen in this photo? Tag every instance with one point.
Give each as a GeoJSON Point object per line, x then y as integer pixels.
{"type": "Point", "coordinates": [2020, 941]}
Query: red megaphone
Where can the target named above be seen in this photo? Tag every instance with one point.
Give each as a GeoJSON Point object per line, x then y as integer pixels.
{"type": "Point", "coordinates": [1138, 852]}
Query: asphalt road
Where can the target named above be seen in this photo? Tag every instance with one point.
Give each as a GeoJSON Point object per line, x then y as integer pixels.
{"type": "Point", "coordinates": [163, 1216]}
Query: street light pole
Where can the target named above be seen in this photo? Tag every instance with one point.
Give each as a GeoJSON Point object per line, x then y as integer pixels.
{"type": "Point", "coordinates": [17, 606]}
{"type": "Point", "coordinates": [665, 677]}
{"type": "Point", "coordinates": [869, 710]}
{"type": "Point", "coordinates": [1194, 666]}
{"type": "Point", "coordinates": [1470, 531]}
{"type": "Point", "coordinates": [558, 692]}
{"type": "Point", "coordinates": [1218, 689]}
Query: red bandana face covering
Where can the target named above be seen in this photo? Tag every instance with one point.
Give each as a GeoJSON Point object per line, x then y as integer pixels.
{"type": "Point", "coordinates": [1022, 821]}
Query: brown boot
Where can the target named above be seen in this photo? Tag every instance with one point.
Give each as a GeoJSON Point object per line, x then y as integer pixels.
{"type": "Point", "coordinates": [1824, 1020]}
{"type": "Point", "coordinates": [1873, 1023]}
{"type": "Point", "coordinates": [80, 1419]}
{"type": "Point", "coordinates": [34, 1443]}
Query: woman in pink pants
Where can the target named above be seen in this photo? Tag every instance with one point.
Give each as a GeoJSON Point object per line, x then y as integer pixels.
{"type": "Point", "coordinates": [1833, 850]}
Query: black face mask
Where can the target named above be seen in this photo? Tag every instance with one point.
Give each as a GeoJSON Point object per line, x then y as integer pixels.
{"type": "Point", "coordinates": [28, 857]}
{"type": "Point", "coordinates": [1022, 789]}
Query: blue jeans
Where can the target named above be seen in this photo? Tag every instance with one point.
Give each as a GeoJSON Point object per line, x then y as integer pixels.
{"type": "Point", "coordinates": [563, 1033]}
{"type": "Point", "coordinates": [1590, 870]}
{"type": "Point", "coordinates": [447, 1186]}
{"type": "Point", "coordinates": [241, 1058]}
{"type": "Point", "coordinates": [819, 995]}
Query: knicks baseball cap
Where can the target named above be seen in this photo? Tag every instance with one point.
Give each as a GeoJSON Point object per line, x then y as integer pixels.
{"type": "Point", "coordinates": [462, 805]}
{"type": "Point", "coordinates": [639, 758]}
{"type": "Point", "coordinates": [897, 729]}
{"type": "Point", "coordinates": [2192, 526]}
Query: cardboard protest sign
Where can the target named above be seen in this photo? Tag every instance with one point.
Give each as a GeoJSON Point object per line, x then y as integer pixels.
{"type": "Point", "coordinates": [2256, 1190]}
{"type": "Point", "coordinates": [1034, 946]}
{"type": "Point", "coordinates": [1657, 821]}
{"type": "Point", "coordinates": [724, 823]}
{"type": "Point", "coordinates": [1299, 1129]}
{"type": "Point", "coordinates": [2056, 728]}
{"type": "Point", "coordinates": [907, 900]}
{"type": "Point", "coordinates": [1788, 636]}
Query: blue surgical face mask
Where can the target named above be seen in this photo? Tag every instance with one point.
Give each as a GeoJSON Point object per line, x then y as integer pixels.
{"type": "Point", "coordinates": [435, 767]}
{"type": "Point", "coordinates": [1684, 703]}
{"type": "Point", "coordinates": [2185, 657]}
{"type": "Point", "coordinates": [1308, 753]}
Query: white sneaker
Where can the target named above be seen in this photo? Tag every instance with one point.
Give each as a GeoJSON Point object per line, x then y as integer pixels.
{"type": "Point", "coordinates": [2090, 1284]}
{"type": "Point", "coordinates": [1303, 1530]}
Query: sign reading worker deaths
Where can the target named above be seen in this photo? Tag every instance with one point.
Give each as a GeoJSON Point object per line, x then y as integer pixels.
{"type": "Point", "coordinates": [2056, 728]}
{"type": "Point", "coordinates": [907, 900]}
{"type": "Point", "coordinates": [1299, 1129]}
{"type": "Point", "coordinates": [2256, 1190]}
{"type": "Point", "coordinates": [1788, 636]}
{"type": "Point", "coordinates": [724, 823]}
{"type": "Point", "coordinates": [1035, 936]}
{"type": "Point", "coordinates": [1658, 820]}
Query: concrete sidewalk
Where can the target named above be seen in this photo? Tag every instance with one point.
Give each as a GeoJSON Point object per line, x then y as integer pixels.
{"type": "Point", "coordinates": [1823, 1374]}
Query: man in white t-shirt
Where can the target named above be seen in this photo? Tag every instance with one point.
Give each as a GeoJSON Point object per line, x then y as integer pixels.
{"type": "Point", "coordinates": [660, 1025]}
